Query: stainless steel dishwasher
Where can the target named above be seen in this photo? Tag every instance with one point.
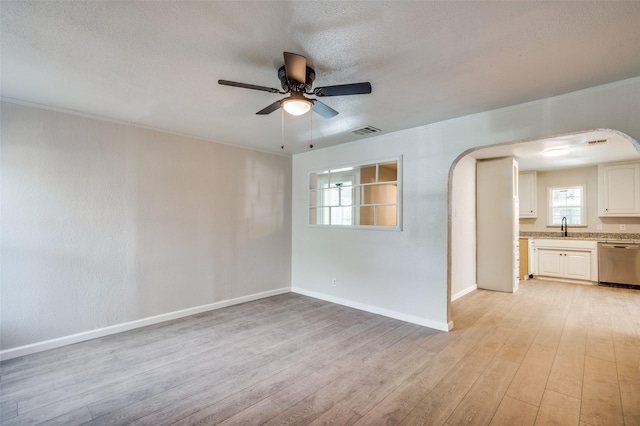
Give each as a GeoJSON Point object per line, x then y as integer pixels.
{"type": "Point", "coordinates": [619, 263]}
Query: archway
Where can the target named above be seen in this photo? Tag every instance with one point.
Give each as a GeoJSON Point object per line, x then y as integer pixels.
{"type": "Point", "coordinates": [586, 149]}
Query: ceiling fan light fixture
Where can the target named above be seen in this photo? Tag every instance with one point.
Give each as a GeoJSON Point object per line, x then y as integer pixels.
{"type": "Point", "coordinates": [556, 152]}
{"type": "Point", "coordinates": [297, 106]}
{"type": "Point", "coordinates": [296, 78]}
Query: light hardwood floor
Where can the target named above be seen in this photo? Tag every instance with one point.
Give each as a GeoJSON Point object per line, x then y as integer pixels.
{"type": "Point", "coordinates": [551, 354]}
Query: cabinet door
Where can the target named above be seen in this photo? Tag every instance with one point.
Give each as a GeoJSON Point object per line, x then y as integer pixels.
{"type": "Point", "coordinates": [527, 194]}
{"type": "Point", "coordinates": [550, 263]}
{"type": "Point", "coordinates": [577, 265]}
{"type": "Point", "coordinates": [619, 190]}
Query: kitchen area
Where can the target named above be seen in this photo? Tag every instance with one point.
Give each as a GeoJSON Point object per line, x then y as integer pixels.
{"type": "Point", "coordinates": [602, 246]}
{"type": "Point", "coordinates": [560, 209]}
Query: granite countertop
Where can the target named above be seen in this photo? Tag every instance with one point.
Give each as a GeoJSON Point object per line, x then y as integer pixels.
{"type": "Point", "coordinates": [588, 236]}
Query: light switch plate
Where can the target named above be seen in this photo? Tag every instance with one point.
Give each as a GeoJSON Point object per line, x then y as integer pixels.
{"type": "Point", "coordinates": [623, 227]}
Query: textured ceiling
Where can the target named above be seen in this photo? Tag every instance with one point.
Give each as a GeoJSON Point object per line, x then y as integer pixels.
{"type": "Point", "coordinates": [157, 63]}
{"type": "Point", "coordinates": [585, 148]}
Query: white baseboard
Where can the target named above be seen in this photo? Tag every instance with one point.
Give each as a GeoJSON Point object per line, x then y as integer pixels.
{"type": "Point", "coordinates": [565, 280]}
{"type": "Point", "coordinates": [461, 293]}
{"type": "Point", "coordinates": [118, 328]}
{"type": "Point", "coordinates": [443, 326]}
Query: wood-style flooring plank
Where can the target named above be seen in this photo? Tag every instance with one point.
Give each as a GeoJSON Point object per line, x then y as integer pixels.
{"type": "Point", "coordinates": [483, 399]}
{"type": "Point", "coordinates": [601, 401]}
{"type": "Point", "coordinates": [71, 418]}
{"type": "Point", "coordinates": [626, 339]}
{"type": "Point", "coordinates": [36, 414]}
{"type": "Point", "coordinates": [442, 400]}
{"type": "Point", "coordinates": [396, 406]}
{"type": "Point", "coordinates": [566, 374]}
{"type": "Point", "coordinates": [8, 409]}
{"type": "Point", "coordinates": [512, 412]}
{"type": "Point", "coordinates": [237, 402]}
{"type": "Point", "coordinates": [235, 380]}
{"type": "Point", "coordinates": [381, 381]}
{"type": "Point", "coordinates": [254, 415]}
{"type": "Point", "coordinates": [351, 375]}
{"type": "Point", "coordinates": [374, 328]}
{"type": "Point", "coordinates": [78, 357]}
{"type": "Point", "coordinates": [550, 331]}
{"type": "Point", "coordinates": [531, 379]}
{"type": "Point", "coordinates": [306, 410]}
{"type": "Point", "coordinates": [558, 409]}
{"type": "Point", "coordinates": [338, 415]}
{"type": "Point", "coordinates": [518, 344]}
{"type": "Point", "coordinates": [630, 397]}
{"type": "Point", "coordinates": [599, 339]}
{"type": "Point", "coordinates": [245, 371]}
{"type": "Point", "coordinates": [572, 350]}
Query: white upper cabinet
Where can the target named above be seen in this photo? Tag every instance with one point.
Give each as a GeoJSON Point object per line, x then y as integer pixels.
{"type": "Point", "coordinates": [527, 194]}
{"type": "Point", "coordinates": [619, 189]}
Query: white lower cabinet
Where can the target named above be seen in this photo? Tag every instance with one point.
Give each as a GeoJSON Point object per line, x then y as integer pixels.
{"type": "Point", "coordinates": [569, 264]}
{"type": "Point", "coordinates": [550, 263]}
{"type": "Point", "coordinates": [569, 259]}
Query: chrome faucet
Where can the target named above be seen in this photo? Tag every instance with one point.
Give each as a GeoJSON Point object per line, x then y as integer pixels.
{"type": "Point", "coordinates": [563, 225]}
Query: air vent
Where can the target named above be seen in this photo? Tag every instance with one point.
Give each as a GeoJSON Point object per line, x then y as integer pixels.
{"type": "Point", "coordinates": [366, 130]}
{"type": "Point", "coordinates": [597, 142]}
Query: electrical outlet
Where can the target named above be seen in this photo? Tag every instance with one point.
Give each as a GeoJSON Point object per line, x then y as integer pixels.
{"type": "Point", "coordinates": [599, 227]}
{"type": "Point", "coordinates": [334, 282]}
{"type": "Point", "coordinates": [623, 227]}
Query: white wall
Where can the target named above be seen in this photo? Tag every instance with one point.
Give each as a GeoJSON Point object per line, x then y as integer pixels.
{"type": "Point", "coordinates": [104, 224]}
{"type": "Point", "coordinates": [463, 228]}
{"type": "Point", "coordinates": [404, 274]}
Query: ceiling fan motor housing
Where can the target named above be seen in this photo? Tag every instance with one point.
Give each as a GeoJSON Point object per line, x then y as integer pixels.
{"type": "Point", "coordinates": [296, 87]}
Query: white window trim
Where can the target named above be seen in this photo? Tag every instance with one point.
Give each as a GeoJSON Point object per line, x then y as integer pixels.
{"type": "Point", "coordinates": [583, 207]}
{"type": "Point", "coordinates": [398, 204]}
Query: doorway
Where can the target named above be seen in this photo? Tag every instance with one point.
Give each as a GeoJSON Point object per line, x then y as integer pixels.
{"type": "Point", "coordinates": [585, 149]}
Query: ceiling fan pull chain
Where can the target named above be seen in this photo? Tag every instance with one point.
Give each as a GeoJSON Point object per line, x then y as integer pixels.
{"type": "Point", "coordinates": [281, 128]}
{"type": "Point", "coordinates": [311, 132]}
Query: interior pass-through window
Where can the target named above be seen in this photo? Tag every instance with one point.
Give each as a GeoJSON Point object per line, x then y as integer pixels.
{"type": "Point", "coordinates": [366, 195]}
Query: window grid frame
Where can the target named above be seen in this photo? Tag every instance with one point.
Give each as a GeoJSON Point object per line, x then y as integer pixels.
{"type": "Point", "coordinates": [551, 207]}
{"type": "Point", "coordinates": [313, 204]}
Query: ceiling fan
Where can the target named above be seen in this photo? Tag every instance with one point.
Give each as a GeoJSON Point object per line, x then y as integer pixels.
{"type": "Point", "coordinates": [296, 78]}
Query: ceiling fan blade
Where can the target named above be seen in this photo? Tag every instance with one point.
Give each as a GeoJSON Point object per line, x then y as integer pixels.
{"type": "Point", "coordinates": [344, 89]}
{"type": "Point", "coordinates": [248, 86]}
{"type": "Point", "coordinates": [323, 109]}
{"type": "Point", "coordinates": [295, 67]}
{"type": "Point", "coordinates": [268, 110]}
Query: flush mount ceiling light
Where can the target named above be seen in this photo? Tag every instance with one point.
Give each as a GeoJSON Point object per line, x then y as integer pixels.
{"type": "Point", "coordinates": [297, 106]}
{"type": "Point", "coordinates": [556, 152]}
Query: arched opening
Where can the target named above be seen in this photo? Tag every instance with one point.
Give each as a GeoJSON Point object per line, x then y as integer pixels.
{"type": "Point", "coordinates": [586, 149]}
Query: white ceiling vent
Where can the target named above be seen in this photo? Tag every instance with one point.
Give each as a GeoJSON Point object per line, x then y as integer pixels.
{"type": "Point", "coordinates": [366, 130]}
{"type": "Point", "coordinates": [597, 142]}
